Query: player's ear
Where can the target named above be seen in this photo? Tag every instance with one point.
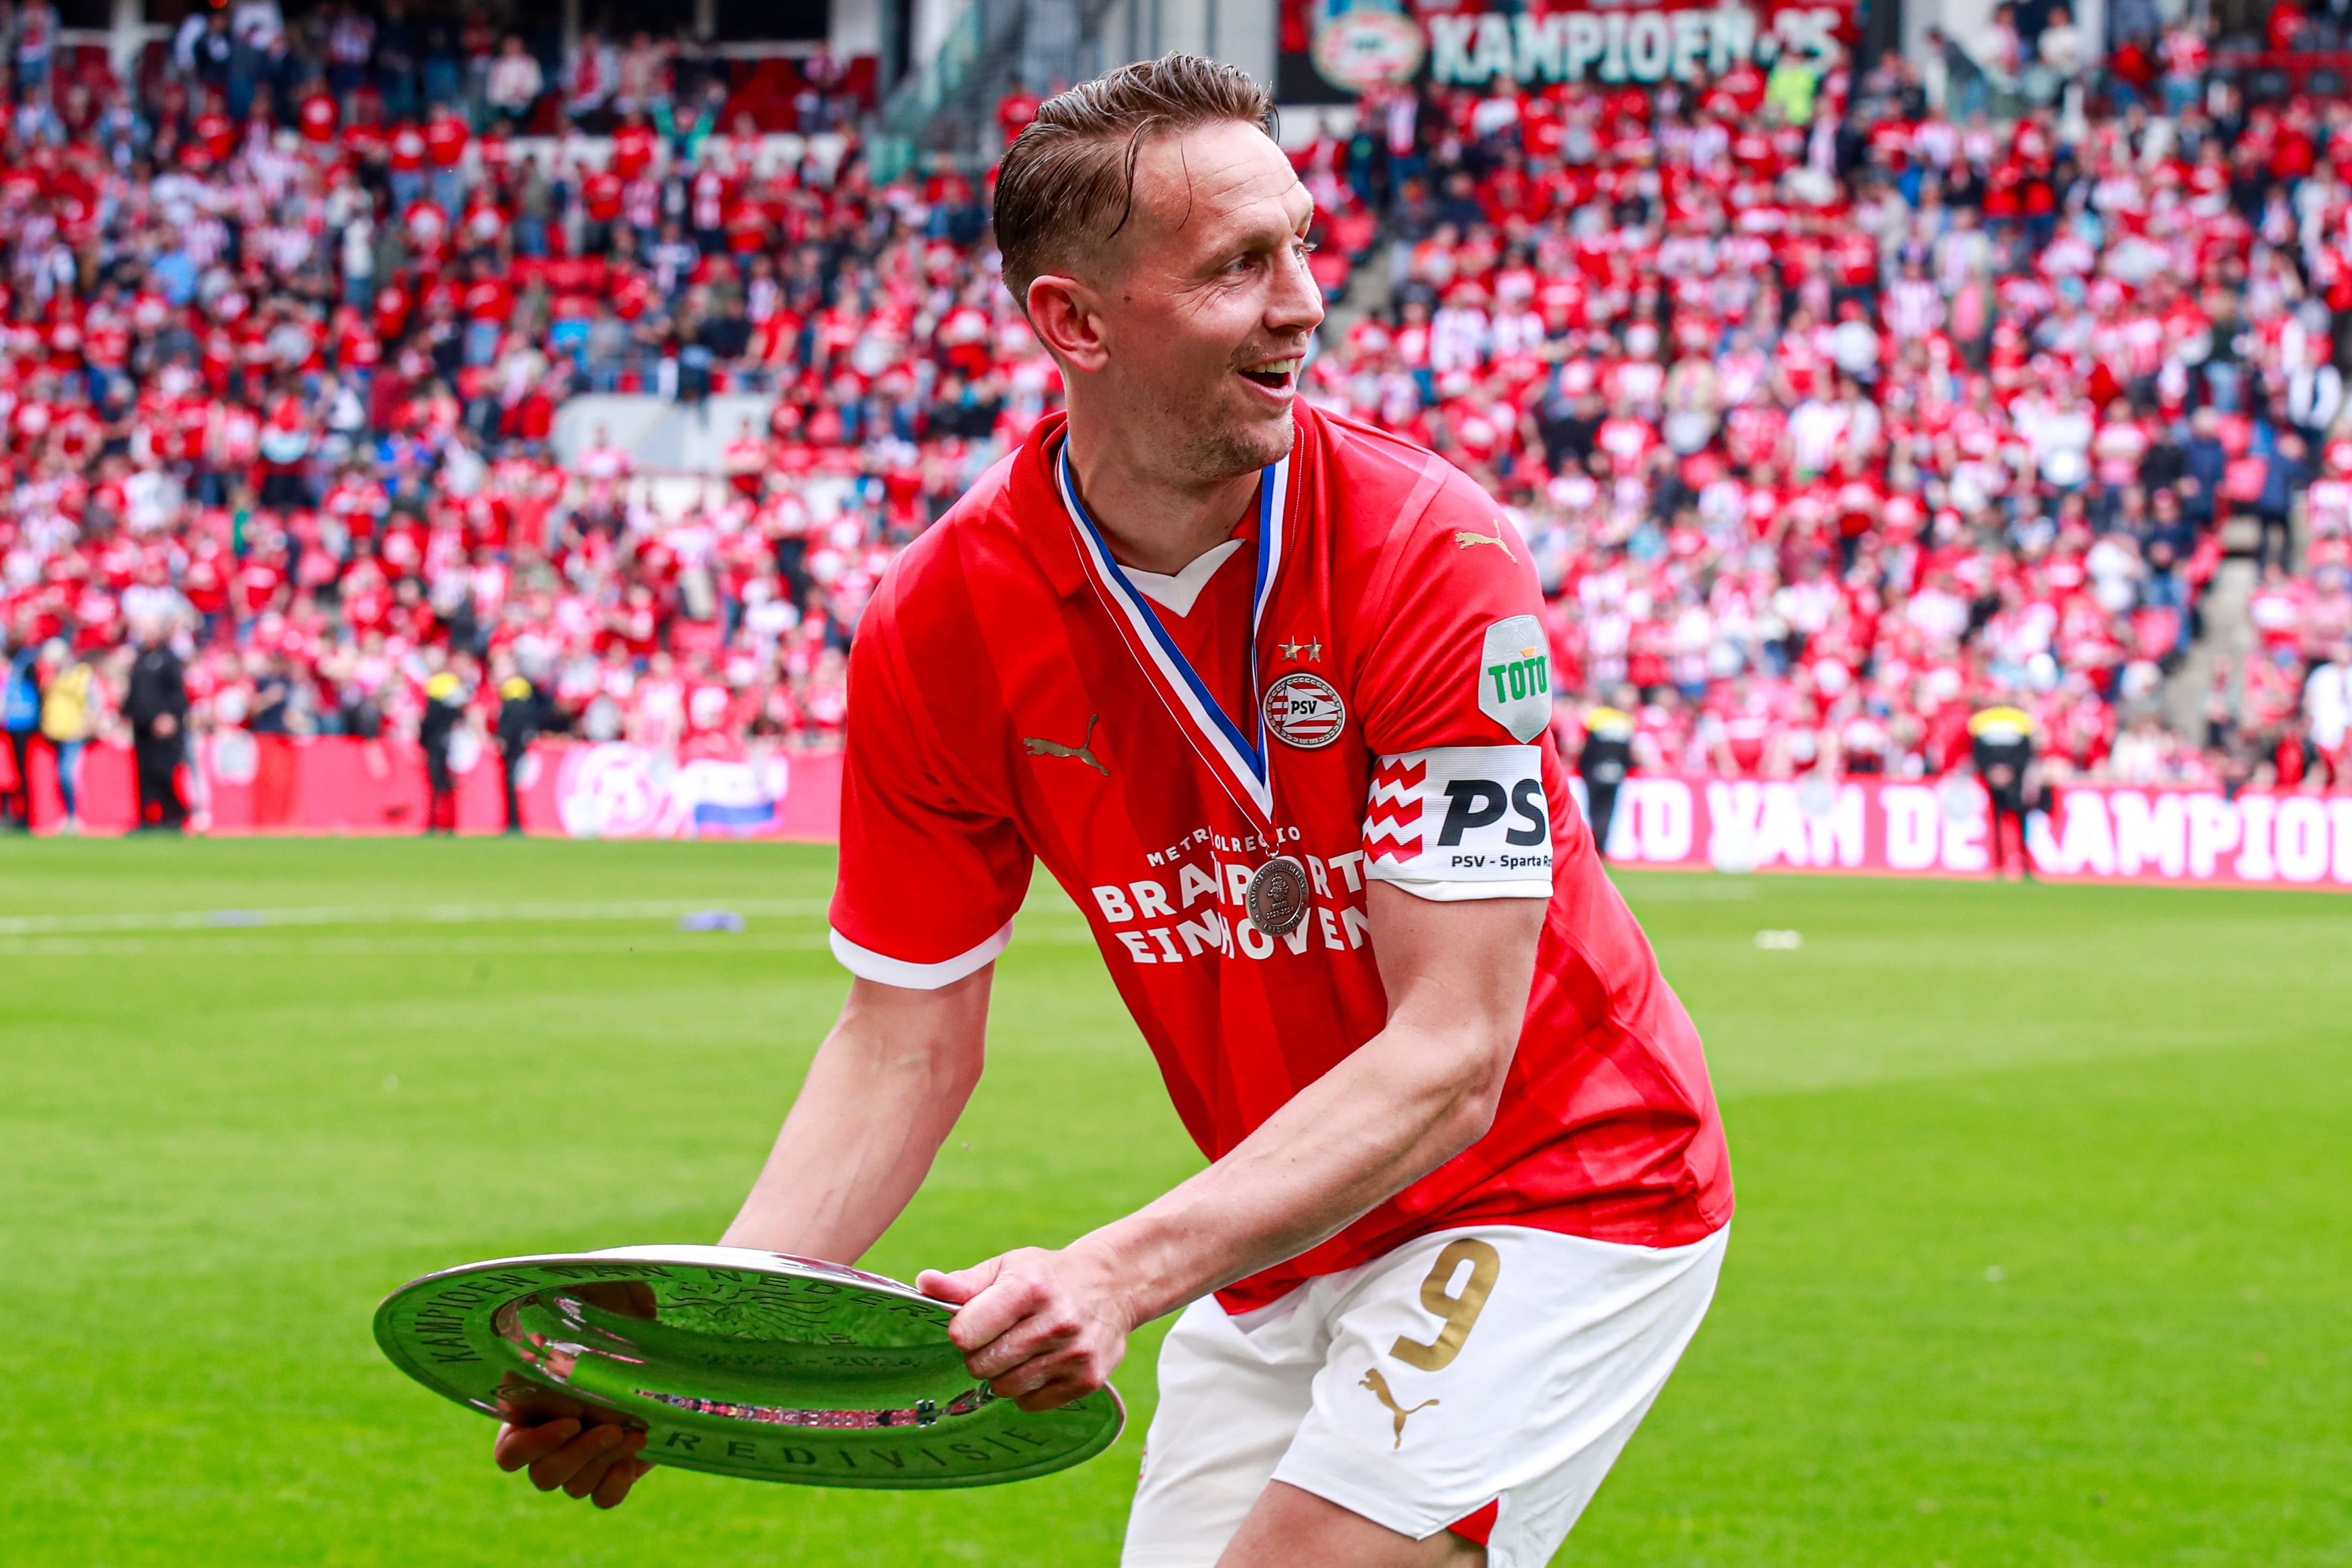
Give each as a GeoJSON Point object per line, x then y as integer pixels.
{"type": "Point", "coordinates": [1063, 314]}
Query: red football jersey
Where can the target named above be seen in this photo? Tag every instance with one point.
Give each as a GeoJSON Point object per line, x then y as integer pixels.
{"type": "Point", "coordinates": [1402, 708]}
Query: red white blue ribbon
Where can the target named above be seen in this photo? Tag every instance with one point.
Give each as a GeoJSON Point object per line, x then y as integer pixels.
{"type": "Point", "coordinates": [1235, 752]}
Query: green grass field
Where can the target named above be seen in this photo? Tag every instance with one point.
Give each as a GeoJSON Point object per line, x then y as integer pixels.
{"type": "Point", "coordinates": [2041, 1256]}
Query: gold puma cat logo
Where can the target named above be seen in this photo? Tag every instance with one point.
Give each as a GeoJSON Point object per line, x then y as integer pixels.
{"type": "Point", "coordinates": [1380, 1387]}
{"type": "Point", "coordinates": [1084, 750]}
{"type": "Point", "coordinates": [1463, 540]}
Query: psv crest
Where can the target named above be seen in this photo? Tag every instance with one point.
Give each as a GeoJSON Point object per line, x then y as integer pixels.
{"type": "Point", "coordinates": [1304, 711]}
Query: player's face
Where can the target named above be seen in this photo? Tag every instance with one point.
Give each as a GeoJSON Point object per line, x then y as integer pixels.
{"type": "Point", "coordinates": [1207, 307]}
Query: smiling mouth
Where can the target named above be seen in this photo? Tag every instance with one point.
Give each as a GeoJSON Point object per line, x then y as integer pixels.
{"type": "Point", "coordinates": [1275, 375]}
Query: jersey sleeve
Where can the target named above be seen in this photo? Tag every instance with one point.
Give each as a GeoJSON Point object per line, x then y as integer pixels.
{"type": "Point", "coordinates": [1456, 696]}
{"type": "Point", "coordinates": [930, 878]}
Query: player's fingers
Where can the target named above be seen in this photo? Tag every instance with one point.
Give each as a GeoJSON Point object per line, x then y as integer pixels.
{"type": "Point", "coordinates": [1019, 1383]}
{"type": "Point", "coordinates": [1057, 1393]}
{"type": "Point", "coordinates": [560, 1466]}
{"type": "Point", "coordinates": [958, 1286]}
{"type": "Point", "coordinates": [523, 1403]}
{"type": "Point", "coordinates": [1025, 1359]}
{"type": "Point", "coordinates": [1023, 1317]}
{"type": "Point", "coordinates": [989, 1317]}
{"type": "Point", "coordinates": [625, 1474]}
{"type": "Point", "coordinates": [1062, 1363]}
{"type": "Point", "coordinates": [551, 1470]}
{"type": "Point", "coordinates": [592, 1474]}
{"type": "Point", "coordinates": [589, 1476]}
{"type": "Point", "coordinates": [1044, 1335]}
{"type": "Point", "coordinates": [592, 1450]}
{"type": "Point", "coordinates": [518, 1446]}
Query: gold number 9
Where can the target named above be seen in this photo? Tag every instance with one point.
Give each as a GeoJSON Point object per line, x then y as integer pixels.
{"type": "Point", "coordinates": [1459, 1311]}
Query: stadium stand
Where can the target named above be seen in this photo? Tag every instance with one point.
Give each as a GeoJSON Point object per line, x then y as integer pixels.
{"type": "Point", "coordinates": [1832, 409]}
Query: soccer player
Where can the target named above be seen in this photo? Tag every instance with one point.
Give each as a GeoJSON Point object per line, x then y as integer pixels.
{"type": "Point", "coordinates": [1267, 692]}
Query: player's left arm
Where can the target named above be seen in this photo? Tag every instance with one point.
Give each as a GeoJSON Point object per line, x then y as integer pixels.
{"type": "Point", "coordinates": [1045, 1327]}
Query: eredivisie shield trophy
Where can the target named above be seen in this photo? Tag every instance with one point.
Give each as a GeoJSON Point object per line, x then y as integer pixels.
{"type": "Point", "coordinates": [736, 1362]}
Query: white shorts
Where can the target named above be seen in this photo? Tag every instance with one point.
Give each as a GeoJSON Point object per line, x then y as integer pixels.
{"type": "Point", "coordinates": [1489, 1364]}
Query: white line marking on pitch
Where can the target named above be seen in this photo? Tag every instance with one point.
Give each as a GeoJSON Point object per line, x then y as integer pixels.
{"type": "Point", "coordinates": [392, 914]}
{"type": "Point", "coordinates": [355, 946]}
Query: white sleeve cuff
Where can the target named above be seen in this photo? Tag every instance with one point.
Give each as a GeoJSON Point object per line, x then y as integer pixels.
{"type": "Point", "coordinates": [1438, 891]}
{"type": "Point", "coordinates": [868, 965]}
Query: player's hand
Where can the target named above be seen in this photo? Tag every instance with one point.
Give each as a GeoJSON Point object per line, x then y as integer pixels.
{"type": "Point", "coordinates": [1039, 1328]}
{"type": "Point", "coordinates": [574, 1450]}
{"type": "Point", "coordinates": [565, 1442]}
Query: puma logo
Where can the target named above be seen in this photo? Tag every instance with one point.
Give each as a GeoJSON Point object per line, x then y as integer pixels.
{"type": "Point", "coordinates": [1084, 750]}
{"type": "Point", "coordinates": [1463, 540]}
{"type": "Point", "coordinates": [1380, 1387]}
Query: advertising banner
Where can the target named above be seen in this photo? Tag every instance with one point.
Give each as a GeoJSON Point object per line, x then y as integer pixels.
{"type": "Point", "coordinates": [616, 791]}
{"type": "Point", "coordinates": [2094, 833]}
{"type": "Point", "coordinates": [1678, 40]}
{"type": "Point", "coordinates": [1354, 46]}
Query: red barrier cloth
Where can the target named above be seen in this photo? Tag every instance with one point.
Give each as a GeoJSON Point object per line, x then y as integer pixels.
{"type": "Point", "coordinates": [242, 784]}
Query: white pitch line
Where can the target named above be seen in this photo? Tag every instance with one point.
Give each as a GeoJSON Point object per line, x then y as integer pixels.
{"type": "Point", "coordinates": [394, 914]}
{"type": "Point", "coordinates": [346, 946]}
{"type": "Point", "coordinates": [665, 942]}
{"type": "Point", "coordinates": [1045, 897]}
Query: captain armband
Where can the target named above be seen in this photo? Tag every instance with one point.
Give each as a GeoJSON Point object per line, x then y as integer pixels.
{"type": "Point", "coordinates": [1460, 823]}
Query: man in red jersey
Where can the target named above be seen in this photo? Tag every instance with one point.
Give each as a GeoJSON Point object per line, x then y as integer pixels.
{"type": "Point", "coordinates": [1267, 691]}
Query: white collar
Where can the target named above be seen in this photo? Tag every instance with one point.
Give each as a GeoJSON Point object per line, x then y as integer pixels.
{"type": "Point", "coordinates": [1181, 591]}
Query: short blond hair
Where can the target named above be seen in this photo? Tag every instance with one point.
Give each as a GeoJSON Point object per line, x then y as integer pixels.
{"type": "Point", "coordinates": [1068, 183]}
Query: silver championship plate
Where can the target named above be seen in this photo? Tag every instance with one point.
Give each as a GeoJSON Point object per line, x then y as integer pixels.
{"type": "Point", "coordinates": [736, 1362]}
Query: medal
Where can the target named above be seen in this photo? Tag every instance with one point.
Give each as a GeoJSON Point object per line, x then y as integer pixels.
{"type": "Point", "coordinates": [1275, 894]}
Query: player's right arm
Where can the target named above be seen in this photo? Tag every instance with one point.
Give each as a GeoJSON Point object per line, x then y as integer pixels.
{"type": "Point", "coordinates": [884, 1091]}
{"type": "Point", "coordinates": [887, 1086]}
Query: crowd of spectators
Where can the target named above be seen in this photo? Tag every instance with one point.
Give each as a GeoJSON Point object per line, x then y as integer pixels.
{"type": "Point", "coordinates": [1828, 429]}
{"type": "Point", "coordinates": [286, 327]}
{"type": "Point", "coordinates": [1829, 413]}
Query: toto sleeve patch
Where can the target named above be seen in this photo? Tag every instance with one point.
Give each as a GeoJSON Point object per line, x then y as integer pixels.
{"type": "Point", "coordinates": [1515, 677]}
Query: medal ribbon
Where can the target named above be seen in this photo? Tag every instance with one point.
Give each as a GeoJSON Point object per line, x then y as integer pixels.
{"type": "Point", "coordinates": [1238, 755]}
